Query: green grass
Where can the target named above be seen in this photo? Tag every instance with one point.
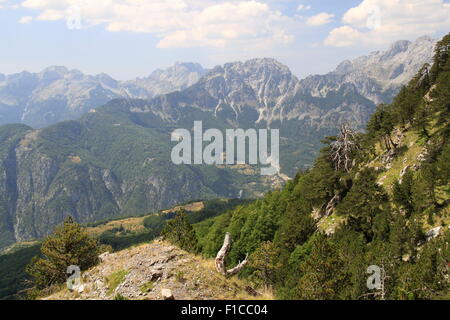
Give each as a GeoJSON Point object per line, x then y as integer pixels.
{"type": "Point", "coordinates": [120, 297]}
{"type": "Point", "coordinates": [115, 279]}
{"type": "Point", "coordinates": [147, 287]}
{"type": "Point", "coordinates": [332, 221]}
{"type": "Point", "coordinates": [408, 158]}
{"type": "Point", "coordinates": [180, 276]}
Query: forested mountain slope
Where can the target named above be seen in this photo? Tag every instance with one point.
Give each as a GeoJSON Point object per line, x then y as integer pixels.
{"type": "Point", "coordinates": [381, 198]}
{"type": "Point", "coordinates": [111, 163]}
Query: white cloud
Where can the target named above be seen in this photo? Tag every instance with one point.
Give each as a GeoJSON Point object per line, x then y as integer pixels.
{"type": "Point", "coordinates": [319, 19]}
{"type": "Point", "coordinates": [4, 4]}
{"type": "Point", "coordinates": [378, 22]}
{"type": "Point", "coordinates": [343, 37]}
{"type": "Point", "coordinates": [179, 23]}
{"type": "Point", "coordinates": [302, 7]}
{"type": "Point", "coordinates": [25, 19]}
{"type": "Point", "coordinates": [51, 15]}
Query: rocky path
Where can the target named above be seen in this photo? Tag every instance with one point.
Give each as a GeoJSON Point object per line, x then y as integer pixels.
{"type": "Point", "coordinates": [152, 271]}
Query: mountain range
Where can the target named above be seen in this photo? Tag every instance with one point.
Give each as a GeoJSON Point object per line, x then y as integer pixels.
{"type": "Point", "coordinates": [115, 159]}
{"type": "Point", "coordinates": [57, 93]}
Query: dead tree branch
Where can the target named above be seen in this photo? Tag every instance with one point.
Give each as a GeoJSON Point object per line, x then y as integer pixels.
{"type": "Point", "coordinates": [222, 254]}
{"type": "Point", "coordinates": [332, 205]}
{"type": "Point", "coordinates": [342, 149]}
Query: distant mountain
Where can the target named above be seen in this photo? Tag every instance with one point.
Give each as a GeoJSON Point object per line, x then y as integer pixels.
{"type": "Point", "coordinates": [264, 90]}
{"type": "Point", "coordinates": [58, 94]}
{"type": "Point", "coordinates": [250, 91]}
{"type": "Point", "coordinates": [377, 75]}
{"type": "Point", "coordinates": [116, 161]}
{"type": "Point", "coordinates": [175, 78]}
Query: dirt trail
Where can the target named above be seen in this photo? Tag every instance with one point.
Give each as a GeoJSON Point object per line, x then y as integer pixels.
{"type": "Point", "coordinates": [142, 272]}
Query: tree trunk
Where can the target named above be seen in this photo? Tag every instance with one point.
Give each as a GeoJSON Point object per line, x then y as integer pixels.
{"type": "Point", "coordinates": [222, 254]}
{"type": "Point", "coordinates": [332, 205]}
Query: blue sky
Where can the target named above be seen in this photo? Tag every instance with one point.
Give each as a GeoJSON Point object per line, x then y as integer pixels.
{"type": "Point", "coordinates": [129, 38]}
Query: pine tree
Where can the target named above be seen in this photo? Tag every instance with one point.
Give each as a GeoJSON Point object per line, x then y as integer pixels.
{"type": "Point", "coordinates": [402, 192]}
{"type": "Point", "coordinates": [363, 203]}
{"type": "Point", "coordinates": [424, 189]}
{"type": "Point", "coordinates": [381, 124]}
{"type": "Point", "coordinates": [422, 120]}
{"type": "Point", "coordinates": [68, 245]}
{"type": "Point", "coordinates": [296, 226]}
{"type": "Point", "coordinates": [266, 262]}
{"type": "Point", "coordinates": [324, 272]}
{"type": "Point", "coordinates": [400, 236]}
{"type": "Point", "coordinates": [443, 166]}
{"type": "Point", "coordinates": [180, 232]}
{"type": "Point", "coordinates": [427, 278]}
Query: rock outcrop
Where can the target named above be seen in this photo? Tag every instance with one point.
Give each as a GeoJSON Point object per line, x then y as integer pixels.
{"type": "Point", "coordinates": [156, 271]}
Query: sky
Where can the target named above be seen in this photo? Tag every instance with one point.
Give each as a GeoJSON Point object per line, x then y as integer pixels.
{"type": "Point", "coordinates": [131, 38]}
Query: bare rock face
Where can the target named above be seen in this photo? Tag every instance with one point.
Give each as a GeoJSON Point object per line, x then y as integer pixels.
{"type": "Point", "coordinates": [376, 77]}
{"type": "Point", "coordinates": [174, 78]}
{"type": "Point", "coordinates": [265, 91]}
{"type": "Point", "coordinates": [433, 233]}
{"type": "Point", "coordinates": [104, 256]}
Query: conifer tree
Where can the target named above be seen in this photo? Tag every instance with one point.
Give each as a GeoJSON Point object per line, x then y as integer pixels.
{"type": "Point", "coordinates": [363, 202]}
{"type": "Point", "coordinates": [402, 192]}
{"type": "Point", "coordinates": [181, 233]}
{"type": "Point", "coordinates": [324, 274]}
{"type": "Point", "coordinates": [68, 245]}
{"type": "Point", "coordinates": [266, 262]}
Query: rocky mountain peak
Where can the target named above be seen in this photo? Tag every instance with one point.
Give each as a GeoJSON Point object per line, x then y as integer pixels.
{"type": "Point", "coordinates": [175, 78]}
{"type": "Point", "coordinates": [344, 67]}
{"type": "Point", "coordinates": [266, 78]}
{"type": "Point", "coordinates": [106, 80]}
{"type": "Point", "coordinates": [263, 84]}
{"type": "Point", "coordinates": [257, 66]}
{"type": "Point", "coordinates": [377, 73]}
{"type": "Point", "coordinates": [53, 73]}
{"type": "Point", "coordinates": [178, 69]}
{"type": "Point", "coordinates": [397, 47]}
{"type": "Point", "coordinates": [187, 66]}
